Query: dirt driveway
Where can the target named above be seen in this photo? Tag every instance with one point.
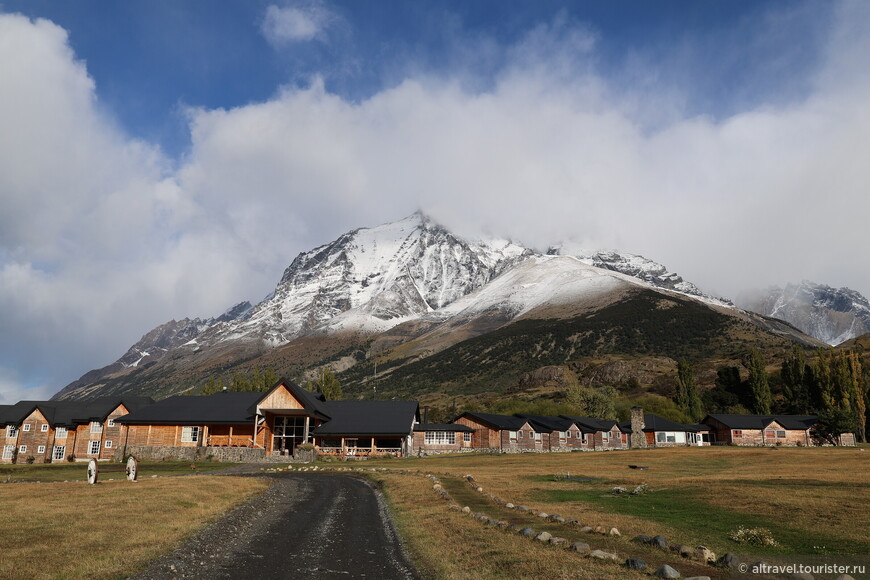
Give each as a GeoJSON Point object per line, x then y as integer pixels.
{"type": "Point", "coordinates": [314, 526]}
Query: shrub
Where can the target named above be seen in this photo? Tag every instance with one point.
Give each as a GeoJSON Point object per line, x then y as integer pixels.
{"type": "Point", "coordinates": [71, 457]}
{"type": "Point", "coordinates": [641, 489]}
{"type": "Point", "coordinates": [30, 459]}
{"type": "Point", "coordinates": [753, 536]}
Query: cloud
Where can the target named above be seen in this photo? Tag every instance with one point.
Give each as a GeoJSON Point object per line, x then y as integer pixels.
{"type": "Point", "coordinates": [102, 237]}
{"type": "Point", "coordinates": [300, 21]}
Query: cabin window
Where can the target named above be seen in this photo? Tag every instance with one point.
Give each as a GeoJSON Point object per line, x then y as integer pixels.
{"type": "Point", "coordinates": [512, 435]}
{"type": "Point", "coordinates": [44, 427]}
{"type": "Point", "coordinates": [440, 437]}
{"type": "Point", "coordinates": [737, 433]}
{"type": "Point", "coordinates": [8, 450]}
{"type": "Point", "coordinates": [537, 437]}
{"type": "Point", "coordinates": [520, 434]}
{"type": "Point", "coordinates": [22, 449]}
{"type": "Point", "coordinates": [693, 437]}
{"type": "Point", "coordinates": [605, 436]}
{"type": "Point", "coordinates": [585, 439]}
{"type": "Point", "coordinates": [670, 437]}
{"type": "Point", "coordinates": [27, 427]}
{"type": "Point", "coordinates": [12, 431]}
{"type": "Point", "coordinates": [189, 434]}
{"type": "Point", "coordinates": [93, 447]}
{"type": "Point", "coordinates": [96, 427]}
{"type": "Point", "coordinates": [563, 435]}
{"type": "Point", "coordinates": [59, 452]}
{"type": "Point", "coordinates": [41, 449]}
{"type": "Point", "coordinates": [780, 434]}
{"type": "Point", "coordinates": [466, 437]}
{"type": "Point", "coordinates": [108, 444]}
{"type": "Point", "coordinates": [110, 423]}
{"type": "Point", "coordinates": [60, 433]}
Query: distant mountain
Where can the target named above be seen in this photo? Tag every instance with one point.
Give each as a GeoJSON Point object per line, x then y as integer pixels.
{"type": "Point", "coordinates": [378, 300]}
{"type": "Point", "coordinates": [832, 315]}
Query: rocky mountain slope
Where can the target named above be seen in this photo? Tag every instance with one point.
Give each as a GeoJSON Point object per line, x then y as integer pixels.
{"type": "Point", "coordinates": [832, 315]}
{"type": "Point", "coordinates": [406, 291]}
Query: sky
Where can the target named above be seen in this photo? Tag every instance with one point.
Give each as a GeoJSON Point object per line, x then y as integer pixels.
{"type": "Point", "coordinates": [165, 159]}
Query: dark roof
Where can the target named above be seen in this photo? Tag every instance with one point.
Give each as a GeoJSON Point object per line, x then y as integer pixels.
{"type": "Point", "coordinates": [70, 413]}
{"type": "Point", "coordinates": [655, 423]}
{"type": "Point", "coordinates": [591, 424]}
{"type": "Point", "coordinates": [311, 402]}
{"type": "Point", "coordinates": [791, 422]}
{"type": "Point", "coordinates": [368, 418]}
{"type": "Point", "coordinates": [501, 422]}
{"type": "Point", "coordinates": [442, 427]}
{"type": "Point", "coordinates": [547, 424]}
{"type": "Point", "coordinates": [221, 408]}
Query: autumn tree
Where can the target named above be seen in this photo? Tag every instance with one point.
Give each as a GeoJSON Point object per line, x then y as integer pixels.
{"type": "Point", "coordinates": [760, 397]}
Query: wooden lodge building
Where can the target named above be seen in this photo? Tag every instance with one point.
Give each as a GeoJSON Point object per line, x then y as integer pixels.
{"type": "Point", "coordinates": [768, 430]}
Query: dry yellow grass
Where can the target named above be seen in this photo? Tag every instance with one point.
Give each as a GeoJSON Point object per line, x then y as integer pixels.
{"type": "Point", "coordinates": [109, 530]}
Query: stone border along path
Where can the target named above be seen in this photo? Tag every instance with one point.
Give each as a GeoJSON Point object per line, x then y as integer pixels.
{"type": "Point", "coordinates": [703, 556]}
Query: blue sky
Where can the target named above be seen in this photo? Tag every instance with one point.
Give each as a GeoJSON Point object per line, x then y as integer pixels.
{"type": "Point", "coordinates": [167, 159]}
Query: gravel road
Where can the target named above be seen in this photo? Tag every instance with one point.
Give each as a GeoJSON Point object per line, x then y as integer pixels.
{"type": "Point", "coordinates": [313, 526]}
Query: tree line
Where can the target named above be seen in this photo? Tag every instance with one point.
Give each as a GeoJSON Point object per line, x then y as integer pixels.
{"type": "Point", "coordinates": [264, 379]}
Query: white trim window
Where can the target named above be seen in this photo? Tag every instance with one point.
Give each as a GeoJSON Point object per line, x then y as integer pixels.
{"type": "Point", "coordinates": [26, 427]}
{"type": "Point", "coordinates": [11, 431]}
{"type": "Point", "coordinates": [110, 423]}
{"type": "Point", "coordinates": [189, 434]}
{"type": "Point", "coordinates": [519, 434]}
{"type": "Point", "coordinates": [466, 437]}
{"type": "Point", "coordinates": [440, 437]}
{"type": "Point", "coordinates": [94, 447]}
{"type": "Point", "coordinates": [22, 449]}
{"type": "Point", "coordinates": [538, 438]}
{"type": "Point", "coordinates": [512, 436]}
{"type": "Point", "coordinates": [40, 450]}
{"type": "Point", "coordinates": [44, 428]}
{"type": "Point", "coordinates": [108, 444]}
{"type": "Point", "coordinates": [563, 436]}
{"type": "Point", "coordinates": [96, 427]}
{"type": "Point", "coordinates": [8, 450]}
{"type": "Point", "coordinates": [59, 453]}
{"type": "Point", "coordinates": [605, 436]}
{"type": "Point", "coordinates": [60, 433]}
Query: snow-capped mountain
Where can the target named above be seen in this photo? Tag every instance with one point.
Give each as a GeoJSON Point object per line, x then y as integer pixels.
{"type": "Point", "coordinates": [832, 315]}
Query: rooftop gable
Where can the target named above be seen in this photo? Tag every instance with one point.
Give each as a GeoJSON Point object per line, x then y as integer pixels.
{"type": "Point", "coordinates": [499, 422]}
{"type": "Point", "coordinates": [790, 422]}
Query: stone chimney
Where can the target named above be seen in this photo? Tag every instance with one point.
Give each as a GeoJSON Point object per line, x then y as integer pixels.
{"type": "Point", "coordinates": [638, 438]}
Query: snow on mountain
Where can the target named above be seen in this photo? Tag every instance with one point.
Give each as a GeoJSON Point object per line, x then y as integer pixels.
{"type": "Point", "coordinates": [632, 265]}
{"type": "Point", "coordinates": [374, 278]}
{"type": "Point", "coordinates": [829, 314]}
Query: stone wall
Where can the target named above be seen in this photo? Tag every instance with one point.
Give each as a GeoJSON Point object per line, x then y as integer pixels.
{"type": "Point", "coordinates": [638, 439]}
{"type": "Point", "coordinates": [222, 454]}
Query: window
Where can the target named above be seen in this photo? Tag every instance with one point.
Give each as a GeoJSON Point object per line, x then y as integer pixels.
{"type": "Point", "coordinates": [780, 434]}
{"type": "Point", "coordinates": [59, 452]}
{"type": "Point", "coordinates": [667, 437]}
{"type": "Point", "coordinates": [466, 437]}
{"type": "Point", "coordinates": [41, 449]}
{"type": "Point", "coordinates": [96, 427]}
{"type": "Point", "coordinates": [22, 449]}
{"type": "Point", "coordinates": [93, 447]}
{"type": "Point", "coordinates": [12, 431]}
{"type": "Point", "coordinates": [605, 436]}
{"type": "Point", "coordinates": [110, 423]}
{"type": "Point", "coordinates": [737, 433]}
{"type": "Point", "coordinates": [60, 433]}
{"type": "Point", "coordinates": [585, 439]}
{"type": "Point", "coordinates": [44, 427]}
{"type": "Point", "coordinates": [512, 435]}
{"type": "Point", "coordinates": [8, 450]}
{"type": "Point", "coordinates": [440, 437]}
{"type": "Point", "coordinates": [520, 434]}
{"type": "Point", "coordinates": [108, 444]}
{"type": "Point", "coordinates": [537, 437]}
{"type": "Point", "coordinates": [189, 434]}
{"type": "Point", "coordinates": [563, 436]}
{"type": "Point", "coordinates": [27, 426]}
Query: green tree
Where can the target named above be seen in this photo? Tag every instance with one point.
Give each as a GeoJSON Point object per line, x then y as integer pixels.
{"type": "Point", "coordinates": [326, 383]}
{"type": "Point", "coordinates": [240, 382]}
{"type": "Point", "coordinates": [592, 402]}
{"type": "Point", "coordinates": [270, 378]}
{"type": "Point", "coordinates": [797, 382]}
{"type": "Point", "coordinates": [759, 387]}
{"type": "Point", "coordinates": [686, 392]}
{"type": "Point", "coordinates": [212, 386]}
{"type": "Point", "coordinates": [833, 422]}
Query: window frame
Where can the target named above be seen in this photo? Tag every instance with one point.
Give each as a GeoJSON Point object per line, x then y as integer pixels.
{"type": "Point", "coordinates": [110, 423]}
{"type": "Point", "coordinates": [54, 455]}
{"type": "Point", "coordinates": [22, 448]}
{"type": "Point", "coordinates": [190, 434]}
{"type": "Point", "coordinates": [43, 428]}
{"type": "Point", "coordinates": [440, 437]}
{"type": "Point", "coordinates": [60, 432]}
{"type": "Point", "coordinates": [8, 452]}
{"type": "Point", "coordinates": [25, 427]}
{"type": "Point", "coordinates": [466, 437]}
{"type": "Point", "coordinates": [12, 431]}
{"type": "Point", "coordinates": [92, 448]}
{"type": "Point", "coordinates": [96, 427]}
{"type": "Point", "coordinates": [107, 444]}
{"type": "Point", "coordinates": [41, 449]}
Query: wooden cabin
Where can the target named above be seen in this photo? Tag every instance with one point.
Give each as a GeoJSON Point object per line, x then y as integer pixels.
{"type": "Point", "coordinates": [761, 430]}
{"type": "Point", "coordinates": [661, 432]}
{"type": "Point", "coordinates": [602, 434]}
{"type": "Point", "coordinates": [505, 433]}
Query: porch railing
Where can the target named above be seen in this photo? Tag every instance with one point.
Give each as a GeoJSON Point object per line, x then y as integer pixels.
{"type": "Point", "coordinates": [227, 441]}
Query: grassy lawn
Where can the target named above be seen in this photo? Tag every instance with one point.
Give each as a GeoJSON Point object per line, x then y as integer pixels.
{"type": "Point", "coordinates": [813, 500]}
{"type": "Point", "coordinates": [76, 471]}
{"type": "Point", "coordinates": [75, 530]}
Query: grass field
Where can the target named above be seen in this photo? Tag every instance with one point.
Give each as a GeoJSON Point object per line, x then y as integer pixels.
{"type": "Point", "coordinates": [813, 500]}
{"type": "Point", "coordinates": [110, 530]}
{"type": "Point", "coordinates": [77, 471]}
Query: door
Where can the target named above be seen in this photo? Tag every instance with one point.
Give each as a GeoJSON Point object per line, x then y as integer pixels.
{"type": "Point", "coordinates": [287, 433]}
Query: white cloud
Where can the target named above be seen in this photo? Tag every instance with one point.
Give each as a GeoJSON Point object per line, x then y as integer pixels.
{"type": "Point", "coordinates": [299, 21]}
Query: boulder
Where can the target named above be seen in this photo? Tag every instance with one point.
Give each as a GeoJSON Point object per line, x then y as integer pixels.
{"type": "Point", "coordinates": [635, 564]}
{"type": "Point", "coordinates": [581, 547]}
{"type": "Point", "coordinates": [659, 542]}
{"type": "Point", "coordinates": [557, 519]}
{"type": "Point", "coordinates": [641, 539]}
{"type": "Point", "coordinates": [704, 554]}
{"type": "Point", "coordinates": [543, 515]}
{"type": "Point", "coordinates": [666, 572]}
{"type": "Point", "coordinates": [544, 537]}
{"type": "Point", "coordinates": [729, 560]}
{"type": "Point", "coordinates": [685, 551]}
{"type": "Point", "coordinates": [556, 541]}
{"type": "Point", "coordinates": [601, 530]}
{"type": "Point", "coordinates": [613, 532]}
{"type": "Point", "coordinates": [509, 505]}
{"type": "Point", "coordinates": [466, 510]}
{"type": "Point", "coordinates": [527, 532]}
{"type": "Point", "coordinates": [587, 529]}
{"type": "Point", "coordinates": [522, 508]}
{"type": "Point", "coordinates": [602, 555]}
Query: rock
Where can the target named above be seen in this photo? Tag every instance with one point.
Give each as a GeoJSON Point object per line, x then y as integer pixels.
{"type": "Point", "coordinates": [455, 507]}
{"type": "Point", "coordinates": [502, 524]}
{"type": "Point", "coordinates": [557, 519]}
{"type": "Point", "coordinates": [666, 572]}
{"type": "Point", "coordinates": [613, 532]}
{"type": "Point", "coordinates": [757, 567]}
{"type": "Point", "coordinates": [554, 516]}
{"type": "Point", "coordinates": [704, 554]}
{"type": "Point", "coordinates": [479, 489]}
{"type": "Point", "coordinates": [466, 510]}
{"type": "Point", "coordinates": [729, 560]}
{"type": "Point", "coordinates": [522, 508]}
{"type": "Point", "coordinates": [600, 530]}
{"type": "Point", "coordinates": [602, 555]}
{"type": "Point", "coordinates": [509, 505]}
{"type": "Point", "coordinates": [685, 551]}
{"type": "Point", "coordinates": [587, 529]}
{"type": "Point", "coordinates": [543, 515]}
{"type": "Point", "coordinates": [556, 541]}
{"type": "Point", "coordinates": [514, 528]}
{"type": "Point", "coordinates": [527, 532]}
{"type": "Point", "coordinates": [635, 564]}
{"type": "Point", "coordinates": [572, 522]}
{"type": "Point", "coordinates": [659, 542]}
{"type": "Point", "coordinates": [641, 539]}
{"type": "Point", "coordinates": [581, 547]}
{"type": "Point", "coordinates": [544, 537]}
